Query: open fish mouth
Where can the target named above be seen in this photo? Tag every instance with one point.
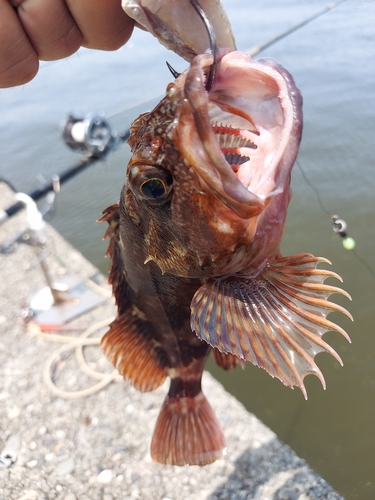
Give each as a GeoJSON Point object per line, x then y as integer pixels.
{"type": "Point", "coordinates": [249, 127]}
{"type": "Point", "coordinates": [237, 144]}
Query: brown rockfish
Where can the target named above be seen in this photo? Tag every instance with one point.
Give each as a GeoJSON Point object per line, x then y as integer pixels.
{"type": "Point", "coordinates": [194, 247]}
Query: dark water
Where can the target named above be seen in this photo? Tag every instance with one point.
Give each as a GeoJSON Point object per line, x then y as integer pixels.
{"type": "Point", "coordinates": [332, 61]}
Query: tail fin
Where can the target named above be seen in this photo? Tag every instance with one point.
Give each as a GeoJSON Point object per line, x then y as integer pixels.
{"type": "Point", "coordinates": [187, 432]}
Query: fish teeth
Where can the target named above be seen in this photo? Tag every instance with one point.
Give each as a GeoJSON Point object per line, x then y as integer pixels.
{"type": "Point", "coordinates": [231, 146]}
{"type": "Point", "coordinates": [234, 157]}
{"type": "Point", "coordinates": [231, 138]}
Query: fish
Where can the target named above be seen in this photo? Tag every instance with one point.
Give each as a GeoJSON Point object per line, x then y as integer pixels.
{"type": "Point", "coordinates": [194, 244]}
{"type": "Point", "coordinates": [175, 24]}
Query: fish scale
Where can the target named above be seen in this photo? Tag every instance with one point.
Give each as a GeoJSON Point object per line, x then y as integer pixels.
{"type": "Point", "coordinates": [195, 257]}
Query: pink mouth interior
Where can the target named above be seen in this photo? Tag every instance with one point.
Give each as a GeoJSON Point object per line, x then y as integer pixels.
{"type": "Point", "coordinates": [251, 119]}
{"type": "Point", "coordinates": [244, 125]}
{"type": "Point", "coordinates": [234, 143]}
{"type": "Point", "coordinates": [239, 141]}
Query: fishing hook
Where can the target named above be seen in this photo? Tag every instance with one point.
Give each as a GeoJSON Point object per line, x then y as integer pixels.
{"type": "Point", "coordinates": [212, 38]}
{"type": "Point", "coordinates": [175, 73]}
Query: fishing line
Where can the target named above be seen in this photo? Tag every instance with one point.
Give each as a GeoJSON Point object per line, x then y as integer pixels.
{"type": "Point", "coordinates": [339, 225]}
{"type": "Point", "coordinates": [313, 188]}
{"type": "Point", "coordinates": [212, 39]}
{"type": "Point", "coordinates": [256, 49]}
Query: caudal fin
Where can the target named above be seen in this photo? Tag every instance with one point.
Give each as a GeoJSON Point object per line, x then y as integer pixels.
{"type": "Point", "coordinates": [187, 432]}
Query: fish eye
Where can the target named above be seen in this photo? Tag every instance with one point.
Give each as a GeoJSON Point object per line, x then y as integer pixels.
{"type": "Point", "coordinates": [153, 188]}
{"type": "Point", "coordinates": [151, 183]}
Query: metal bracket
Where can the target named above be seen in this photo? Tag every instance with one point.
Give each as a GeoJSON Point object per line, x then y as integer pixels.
{"type": "Point", "coordinates": [7, 458]}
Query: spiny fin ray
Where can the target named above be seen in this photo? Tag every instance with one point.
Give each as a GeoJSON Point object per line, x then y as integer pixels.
{"type": "Point", "coordinates": [134, 353]}
{"type": "Point", "coordinates": [276, 320]}
{"type": "Point", "coordinates": [128, 343]}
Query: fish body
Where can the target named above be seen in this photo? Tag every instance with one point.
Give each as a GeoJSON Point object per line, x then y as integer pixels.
{"type": "Point", "coordinates": [194, 246]}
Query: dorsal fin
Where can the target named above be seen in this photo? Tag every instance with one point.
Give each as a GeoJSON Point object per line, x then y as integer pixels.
{"type": "Point", "coordinates": [129, 344]}
{"type": "Point", "coordinates": [116, 269]}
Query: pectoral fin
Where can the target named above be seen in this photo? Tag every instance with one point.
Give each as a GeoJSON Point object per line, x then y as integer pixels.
{"type": "Point", "coordinates": [276, 320]}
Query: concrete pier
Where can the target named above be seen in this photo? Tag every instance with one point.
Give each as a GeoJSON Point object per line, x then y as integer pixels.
{"type": "Point", "coordinates": [97, 447]}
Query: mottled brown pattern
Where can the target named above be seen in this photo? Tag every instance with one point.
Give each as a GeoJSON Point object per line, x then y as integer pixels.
{"type": "Point", "coordinates": [194, 246]}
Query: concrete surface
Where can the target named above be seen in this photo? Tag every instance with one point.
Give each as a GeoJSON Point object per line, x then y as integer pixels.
{"type": "Point", "coordinates": [97, 447]}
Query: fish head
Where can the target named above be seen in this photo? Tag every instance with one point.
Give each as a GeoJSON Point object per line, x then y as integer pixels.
{"type": "Point", "coordinates": [210, 171]}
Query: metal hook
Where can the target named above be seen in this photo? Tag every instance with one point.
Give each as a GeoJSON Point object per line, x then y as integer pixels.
{"type": "Point", "coordinates": [175, 73]}
{"type": "Point", "coordinates": [339, 225]}
{"type": "Point", "coordinates": [212, 38]}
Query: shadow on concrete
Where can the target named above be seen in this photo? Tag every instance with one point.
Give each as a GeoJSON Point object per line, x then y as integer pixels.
{"type": "Point", "coordinates": [257, 476]}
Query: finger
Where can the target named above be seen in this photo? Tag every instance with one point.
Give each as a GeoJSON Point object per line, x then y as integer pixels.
{"type": "Point", "coordinates": [18, 59]}
{"type": "Point", "coordinates": [104, 24]}
{"type": "Point", "coordinates": [50, 27]}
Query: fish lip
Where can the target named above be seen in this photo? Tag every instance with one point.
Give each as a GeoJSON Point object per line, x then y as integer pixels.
{"type": "Point", "coordinates": [267, 173]}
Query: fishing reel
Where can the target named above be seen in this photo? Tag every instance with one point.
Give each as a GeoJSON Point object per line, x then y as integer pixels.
{"type": "Point", "coordinates": [89, 134]}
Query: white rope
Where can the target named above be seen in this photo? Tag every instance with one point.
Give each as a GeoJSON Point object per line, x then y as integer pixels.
{"type": "Point", "coordinates": [76, 343]}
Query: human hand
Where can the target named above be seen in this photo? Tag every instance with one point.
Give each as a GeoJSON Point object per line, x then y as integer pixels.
{"type": "Point", "coordinates": [34, 30]}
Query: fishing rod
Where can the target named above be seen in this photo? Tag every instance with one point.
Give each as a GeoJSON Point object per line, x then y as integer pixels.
{"type": "Point", "coordinates": [259, 48]}
{"type": "Point", "coordinates": [93, 136]}
{"type": "Point", "coordinates": [256, 49]}
{"type": "Point", "coordinates": [84, 135]}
